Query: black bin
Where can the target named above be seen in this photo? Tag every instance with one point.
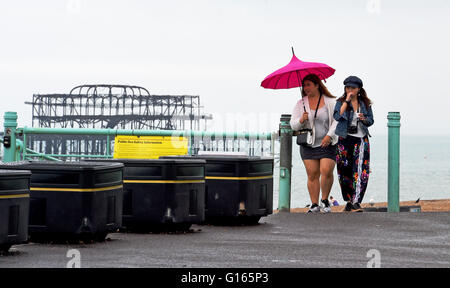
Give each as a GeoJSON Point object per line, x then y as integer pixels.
{"type": "Point", "coordinates": [163, 194]}
{"type": "Point", "coordinates": [73, 199]}
{"type": "Point", "coordinates": [14, 207]}
{"type": "Point", "coordinates": [239, 189]}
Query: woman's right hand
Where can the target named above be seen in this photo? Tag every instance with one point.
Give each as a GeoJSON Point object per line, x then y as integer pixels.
{"type": "Point", "coordinates": [304, 117]}
{"type": "Point", "coordinates": [349, 96]}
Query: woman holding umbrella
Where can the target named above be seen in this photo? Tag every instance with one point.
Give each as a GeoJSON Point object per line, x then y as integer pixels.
{"type": "Point", "coordinates": [317, 107]}
{"type": "Point", "coordinates": [319, 159]}
{"type": "Point", "coordinates": [353, 111]}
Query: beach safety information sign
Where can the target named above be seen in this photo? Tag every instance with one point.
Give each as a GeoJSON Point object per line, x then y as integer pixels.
{"type": "Point", "coordinates": [149, 147]}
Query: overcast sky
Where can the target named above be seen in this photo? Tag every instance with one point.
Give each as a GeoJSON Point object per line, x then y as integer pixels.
{"type": "Point", "coordinates": [222, 50]}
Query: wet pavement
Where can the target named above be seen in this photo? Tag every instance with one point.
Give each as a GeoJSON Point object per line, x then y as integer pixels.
{"type": "Point", "coordinates": [280, 240]}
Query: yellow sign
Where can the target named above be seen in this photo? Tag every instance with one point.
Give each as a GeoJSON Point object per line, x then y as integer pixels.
{"type": "Point", "coordinates": [149, 147]}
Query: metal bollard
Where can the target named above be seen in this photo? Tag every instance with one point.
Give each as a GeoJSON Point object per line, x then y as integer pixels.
{"type": "Point", "coordinates": [284, 197]}
{"type": "Point", "coordinates": [10, 152]}
{"type": "Point", "coordinates": [393, 161]}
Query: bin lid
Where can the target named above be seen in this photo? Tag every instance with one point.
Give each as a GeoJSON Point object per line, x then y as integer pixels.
{"type": "Point", "coordinates": [228, 158]}
{"type": "Point", "coordinates": [221, 153]}
{"type": "Point", "coordinates": [7, 172]}
{"type": "Point", "coordinates": [155, 161]}
{"type": "Point", "coordinates": [63, 165]}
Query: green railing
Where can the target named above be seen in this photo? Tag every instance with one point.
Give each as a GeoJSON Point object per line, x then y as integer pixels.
{"type": "Point", "coordinates": [21, 152]}
{"type": "Point", "coordinates": [191, 135]}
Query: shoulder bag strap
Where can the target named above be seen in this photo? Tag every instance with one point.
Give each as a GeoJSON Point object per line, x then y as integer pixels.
{"type": "Point", "coordinates": [318, 103]}
{"type": "Point", "coordinates": [317, 108]}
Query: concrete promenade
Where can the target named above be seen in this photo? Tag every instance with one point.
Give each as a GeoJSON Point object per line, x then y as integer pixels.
{"type": "Point", "coordinates": [280, 240]}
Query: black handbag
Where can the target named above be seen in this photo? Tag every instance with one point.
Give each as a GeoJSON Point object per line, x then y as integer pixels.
{"type": "Point", "coordinates": [305, 136]}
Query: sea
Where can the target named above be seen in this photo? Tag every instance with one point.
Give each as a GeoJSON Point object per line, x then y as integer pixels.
{"type": "Point", "coordinates": [424, 171]}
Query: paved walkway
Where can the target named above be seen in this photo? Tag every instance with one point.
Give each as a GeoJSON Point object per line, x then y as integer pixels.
{"type": "Point", "coordinates": [280, 240]}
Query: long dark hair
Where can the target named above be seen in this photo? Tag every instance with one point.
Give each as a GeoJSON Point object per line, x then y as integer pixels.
{"type": "Point", "coordinates": [362, 96]}
{"type": "Point", "coordinates": [316, 80]}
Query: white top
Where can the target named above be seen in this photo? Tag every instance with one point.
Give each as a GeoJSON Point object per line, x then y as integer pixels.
{"type": "Point", "coordinates": [360, 133]}
{"type": "Point", "coordinates": [321, 124]}
{"type": "Point", "coordinates": [298, 112]}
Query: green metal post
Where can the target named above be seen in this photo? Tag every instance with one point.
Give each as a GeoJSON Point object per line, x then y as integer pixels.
{"type": "Point", "coordinates": [10, 125]}
{"type": "Point", "coordinates": [19, 149]}
{"type": "Point", "coordinates": [108, 145]}
{"type": "Point", "coordinates": [284, 197]}
{"type": "Point", "coordinates": [24, 152]}
{"type": "Point", "coordinates": [191, 144]}
{"type": "Point", "coordinates": [191, 150]}
{"type": "Point", "coordinates": [394, 162]}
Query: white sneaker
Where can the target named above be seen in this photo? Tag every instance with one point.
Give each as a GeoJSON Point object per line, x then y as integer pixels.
{"type": "Point", "coordinates": [315, 209]}
{"type": "Point", "coordinates": [326, 209]}
{"type": "Point", "coordinates": [325, 205]}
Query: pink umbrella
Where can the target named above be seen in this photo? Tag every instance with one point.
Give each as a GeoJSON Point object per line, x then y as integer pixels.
{"type": "Point", "coordinates": [291, 75]}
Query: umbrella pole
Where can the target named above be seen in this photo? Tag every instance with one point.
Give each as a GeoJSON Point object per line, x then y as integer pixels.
{"type": "Point", "coordinates": [286, 133]}
{"type": "Point", "coordinates": [299, 79]}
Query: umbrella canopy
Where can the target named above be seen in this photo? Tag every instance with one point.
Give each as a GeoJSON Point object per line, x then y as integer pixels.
{"type": "Point", "coordinates": [291, 75]}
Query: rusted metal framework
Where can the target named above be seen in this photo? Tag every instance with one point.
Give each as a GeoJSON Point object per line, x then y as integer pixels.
{"type": "Point", "coordinates": [109, 106]}
{"type": "Point", "coordinates": [116, 106]}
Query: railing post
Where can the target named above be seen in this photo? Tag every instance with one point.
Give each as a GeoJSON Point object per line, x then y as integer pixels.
{"type": "Point", "coordinates": [108, 143]}
{"type": "Point", "coordinates": [284, 197]}
{"type": "Point", "coordinates": [191, 143]}
{"type": "Point", "coordinates": [9, 140]}
{"type": "Point", "coordinates": [24, 151]}
{"type": "Point", "coordinates": [393, 161]}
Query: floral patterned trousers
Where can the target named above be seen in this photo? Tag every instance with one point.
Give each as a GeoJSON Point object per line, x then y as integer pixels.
{"type": "Point", "coordinates": [352, 162]}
